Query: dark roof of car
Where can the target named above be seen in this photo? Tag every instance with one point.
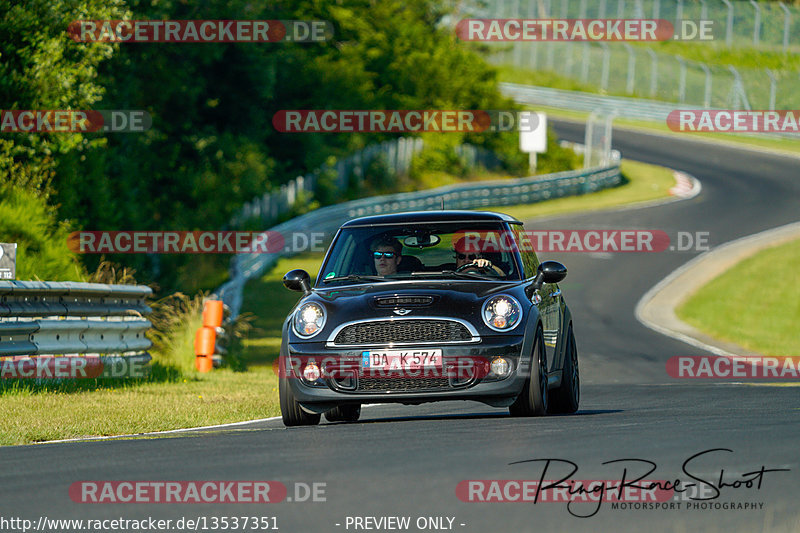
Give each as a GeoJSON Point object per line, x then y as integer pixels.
{"type": "Point", "coordinates": [430, 216]}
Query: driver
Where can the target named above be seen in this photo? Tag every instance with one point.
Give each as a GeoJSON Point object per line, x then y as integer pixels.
{"type": "Point", "coordinates": [386, 254]}
{"type": "Point", "coordinates": [471, 255]}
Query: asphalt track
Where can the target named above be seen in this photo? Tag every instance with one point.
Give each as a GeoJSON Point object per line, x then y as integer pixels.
{"type": "Point", "coordinates": [407, 461]}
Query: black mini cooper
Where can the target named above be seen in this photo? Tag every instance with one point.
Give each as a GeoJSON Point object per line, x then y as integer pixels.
{"type": "Point", "coordinates": [428, 306]}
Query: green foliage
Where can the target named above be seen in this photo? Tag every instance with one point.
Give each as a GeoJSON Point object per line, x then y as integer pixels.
{"type": "Point", "coordinates": [439, 155]}
{"type": "Point", "coordinates": [42, 251]}
{"type": "Point", "coordinates": [326, 190]}
{"type": "Point", "coordinates": [212, 146]}
{"type": "Point", "coordinates": [42, 68]}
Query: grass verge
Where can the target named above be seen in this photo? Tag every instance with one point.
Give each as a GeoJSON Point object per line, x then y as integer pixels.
{"type": "Point", "coordinates": [731, 308]}
{"type": "Point", "coordinates": [177, 397]}
{"type": "Point", "coordinates": [31, 414]}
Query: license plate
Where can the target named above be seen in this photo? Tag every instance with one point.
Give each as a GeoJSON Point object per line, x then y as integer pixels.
{"type": "Point", "coordinates": [401, 359]}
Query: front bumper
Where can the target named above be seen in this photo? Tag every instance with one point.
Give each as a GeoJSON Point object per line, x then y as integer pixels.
{"type": "Point", "coordinates": [327, 393]}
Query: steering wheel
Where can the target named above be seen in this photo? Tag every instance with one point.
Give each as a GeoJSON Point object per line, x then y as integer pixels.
{"type": "Point", "coordinates": [481, 269]}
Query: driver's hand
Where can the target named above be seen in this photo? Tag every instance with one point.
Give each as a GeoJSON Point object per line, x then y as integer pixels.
{"type": "Point", "coordinates": [482, 263]}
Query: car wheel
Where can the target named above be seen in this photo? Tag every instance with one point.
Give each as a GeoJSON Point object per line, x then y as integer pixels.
{"type": "Point", "coordinates": [344, 413]}
{"type": "Point", "coordinates": [532, 401]}
{"type": "Point", "coordinates": [291, 412]}
{"type": "Point", "coordinates": [566, 397]}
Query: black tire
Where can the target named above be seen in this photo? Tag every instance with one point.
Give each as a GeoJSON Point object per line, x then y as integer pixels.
{"type": "Point", "coordinates": [344, 413]}
{"type": "Point", "coordinates": [567, 396]}
{"type": "Point", "coordinates": [291, 412]}
{"type": "Point", "coordinates": [533, 399]}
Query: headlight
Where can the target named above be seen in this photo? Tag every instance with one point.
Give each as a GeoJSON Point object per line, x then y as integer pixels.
{"type": "Point", "coordinates": [501, 313]}
{"type": "Point", "coordinates": [309, 320]}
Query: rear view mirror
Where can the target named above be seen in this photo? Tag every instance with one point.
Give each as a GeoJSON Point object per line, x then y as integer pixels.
{"type": "Point", "coordinates": [421, 240]}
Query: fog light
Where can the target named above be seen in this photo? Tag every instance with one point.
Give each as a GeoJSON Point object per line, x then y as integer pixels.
{"type": "Point", "coordinates": [311, 372]}
{"type": "Point", "coordinates": [500, 366]}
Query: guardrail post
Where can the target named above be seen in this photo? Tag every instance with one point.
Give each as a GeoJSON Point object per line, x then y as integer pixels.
{"type": "Point", "coordinates": [653, 72]}
{"type": "Point", "coordinates": [656, 8]}
{"type": "Point", "coordinates": [787, 20]}
{"type": "Point", "coordinates": [587, 140]}
{"type": "Point", "coordinates": [678, 13]}
{"type": "Point", "coordinates": [606, 61]}
{"type": "Point", "coordinates": [585, 63]}
{"type": "Point", "coordinates": [707, 91]}
{"type": "Point", "coordinates": [620, 9]}
{"type": "Point", "coordinates": [631, 68]}
{"type": "Point", "coordinates": [729, 24]}
{"type": "Point", "coordinates": [738, 89]}
{"type": "Point", "coordinates": [773, 88]}
{"type": "Point", "coordinates": [756, 23]}
{"type": "Point", "coordinates": [638, 9]}
{"type": "Point", "coordinates": [703, 10]}
{"type": "Point", "coordinates": [682, 80]}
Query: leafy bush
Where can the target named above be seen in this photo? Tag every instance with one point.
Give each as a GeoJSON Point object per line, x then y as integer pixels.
{"type": "Point", "coordinates": [42, 251]}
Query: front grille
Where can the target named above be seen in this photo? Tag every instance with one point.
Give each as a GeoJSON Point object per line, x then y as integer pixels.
{"type": "Point", "coordinates": [385, 384]}
{"type": "Point", "coordinates": [403, 331]}
{"type": "Point", "coordinates": [404, 301]}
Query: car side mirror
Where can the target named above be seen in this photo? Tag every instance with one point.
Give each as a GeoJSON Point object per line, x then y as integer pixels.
{"type": "Point", "coordinates": [551, 272]}
{"type": "Point", "coordinates": [297, 280]}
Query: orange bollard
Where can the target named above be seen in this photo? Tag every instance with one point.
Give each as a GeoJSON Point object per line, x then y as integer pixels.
{"type": "Point", "coordinates": [204, 341]}
{"type": "Point", "coordinates": [212, 313]}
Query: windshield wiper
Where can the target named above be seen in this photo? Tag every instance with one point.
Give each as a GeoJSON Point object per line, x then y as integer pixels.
{"type": "Point", "coordinates": [355, 277]}
{"type": "Point", "coordinates": [470, 275]}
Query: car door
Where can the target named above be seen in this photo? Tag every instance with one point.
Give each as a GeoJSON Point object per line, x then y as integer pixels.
{"type": "Point", "coordinates": [547, 299]}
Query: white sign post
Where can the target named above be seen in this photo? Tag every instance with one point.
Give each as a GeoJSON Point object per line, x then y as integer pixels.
{"type": "Point", "coordinates": [8, 260]}
{"type": "Point", "coordinates": [532, 135]}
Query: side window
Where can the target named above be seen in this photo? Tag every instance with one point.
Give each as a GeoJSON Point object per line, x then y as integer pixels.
{"type": "Point", "coordinates": [529, 260]}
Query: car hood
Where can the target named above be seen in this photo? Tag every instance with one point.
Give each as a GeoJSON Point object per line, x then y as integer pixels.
{"type": "Point", "coordinates": [449, 298]}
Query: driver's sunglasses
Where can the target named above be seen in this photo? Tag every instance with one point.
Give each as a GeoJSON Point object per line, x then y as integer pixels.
{"type": "Point", "coordinates": [468, 256]}
{"type": "Point", "coordinates": [378, 255]}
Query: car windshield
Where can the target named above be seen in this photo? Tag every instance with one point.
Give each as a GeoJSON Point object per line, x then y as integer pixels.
{"type": "Point", "coordinates": [453, 250]}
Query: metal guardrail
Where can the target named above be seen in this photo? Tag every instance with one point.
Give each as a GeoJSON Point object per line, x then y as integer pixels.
{"type": "Point", "coordinates": [395, 154]}
{"type": "Point", "coordinates": [69, 318]}
{"type": "Point", "coordinates": [633, 108]}
{"type": "Point", "coordinates": [476, 195]}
